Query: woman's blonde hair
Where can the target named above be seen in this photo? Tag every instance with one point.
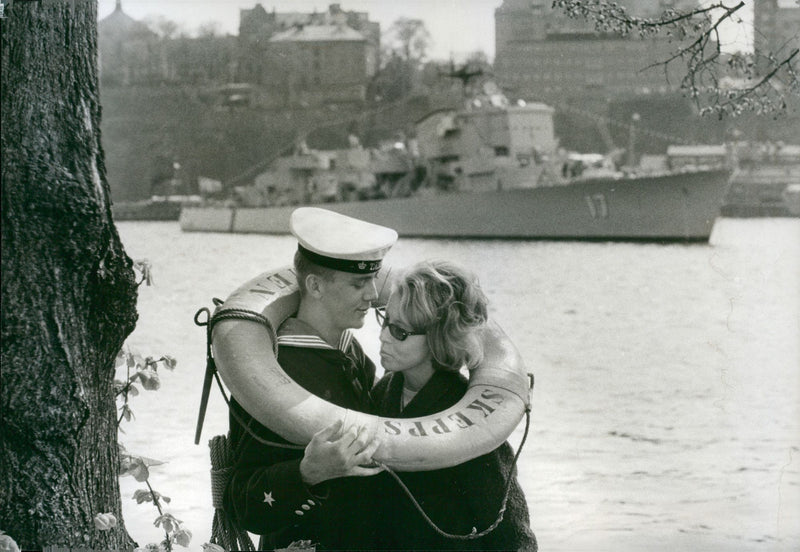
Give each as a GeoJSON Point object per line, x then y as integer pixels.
{"type": "Point", "coordinates": [445, 301]}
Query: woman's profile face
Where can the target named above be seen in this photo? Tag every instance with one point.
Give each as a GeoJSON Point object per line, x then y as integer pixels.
{"type": "Point", "coordinates": [402, 355]}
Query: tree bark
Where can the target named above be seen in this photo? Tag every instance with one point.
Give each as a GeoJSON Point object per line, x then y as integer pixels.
{"type": "Point", "coordinates": [68, 287]}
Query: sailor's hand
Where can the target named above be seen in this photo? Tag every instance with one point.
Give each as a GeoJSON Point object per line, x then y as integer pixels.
{"type": "Point", "coordinates": [335, 453]}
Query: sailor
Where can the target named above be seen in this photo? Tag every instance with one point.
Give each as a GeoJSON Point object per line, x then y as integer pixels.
{"type": "Point", "coordinates": [317, 494]}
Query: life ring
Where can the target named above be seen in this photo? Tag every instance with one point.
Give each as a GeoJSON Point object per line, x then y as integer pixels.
{"type": "Point", "coordinates": [496, 399]}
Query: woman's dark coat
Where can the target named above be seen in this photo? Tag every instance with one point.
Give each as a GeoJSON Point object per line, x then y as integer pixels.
{"type": "Point", "coordinates": [456, 499]}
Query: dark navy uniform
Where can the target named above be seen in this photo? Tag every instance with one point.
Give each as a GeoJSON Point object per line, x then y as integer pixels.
{"type": "Point", "coordinates": [456, 499]}
{"type": "Point", "coordinates": [266, 493]}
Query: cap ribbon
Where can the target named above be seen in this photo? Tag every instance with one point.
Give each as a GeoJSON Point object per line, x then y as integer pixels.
{"type": "Point", "coordinates": [343, 265]}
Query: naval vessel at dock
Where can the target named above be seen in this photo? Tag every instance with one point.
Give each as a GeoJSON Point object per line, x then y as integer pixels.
{"type": "Point", "coordinates": [669, 207]}
{"type": "Point", "coordinates": [491, 169]}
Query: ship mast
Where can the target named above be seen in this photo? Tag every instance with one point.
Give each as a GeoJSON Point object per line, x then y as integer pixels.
{"type": "Point", "coordinates": [464, 74]}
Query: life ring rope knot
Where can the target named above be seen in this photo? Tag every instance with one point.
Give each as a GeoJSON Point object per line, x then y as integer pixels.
{"type": "Point", "coordinates": [211, 371]}
{"type": "Point", "coordinates": [245, 314]}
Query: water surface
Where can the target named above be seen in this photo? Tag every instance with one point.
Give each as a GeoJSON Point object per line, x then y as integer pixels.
{"type": "Point", "coordinates": [667, 403]}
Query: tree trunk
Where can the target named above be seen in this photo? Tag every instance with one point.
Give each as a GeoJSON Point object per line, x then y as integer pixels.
{"type": "Point", "coordinates": [68, 288]}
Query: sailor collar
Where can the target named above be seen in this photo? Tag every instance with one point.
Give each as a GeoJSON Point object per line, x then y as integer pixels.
{"type": "Point", "coordinates": [296, 333]}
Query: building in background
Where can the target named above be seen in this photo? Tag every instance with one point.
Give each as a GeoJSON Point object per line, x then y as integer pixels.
{"type": "Point", "coordinates": [776, 27]}
{"type": "Point", "coordinates": [309, 58]}
{"type": "Point", "coordinates": [543, 54]}
{"type": "Point", "coordinates": [288, 59]}
{"type": "Point", "coordinates": [133, 54]}
{"type": "Point", "coordinates": [130, 53]}
{"type": "Point", "coordinates": [320, 64]}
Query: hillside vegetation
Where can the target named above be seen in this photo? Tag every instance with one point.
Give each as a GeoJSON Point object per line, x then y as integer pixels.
{"type": "Point", "coordinates": [145, 130]}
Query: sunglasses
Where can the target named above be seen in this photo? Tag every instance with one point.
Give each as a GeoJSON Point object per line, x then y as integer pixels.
{"type": "Point", "coordinates": [396, 331]}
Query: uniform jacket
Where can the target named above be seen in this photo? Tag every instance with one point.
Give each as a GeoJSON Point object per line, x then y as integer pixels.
{"type": "Point", "coordinates": [266, 493]}
{"type": "Point", "coordinates": [456, 499]}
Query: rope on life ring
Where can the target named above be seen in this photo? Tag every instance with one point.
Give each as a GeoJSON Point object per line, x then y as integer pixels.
{"type": "Point", "coordinates": [211, 370]}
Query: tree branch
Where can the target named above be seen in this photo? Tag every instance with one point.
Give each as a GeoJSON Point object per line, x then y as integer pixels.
{"type": "Point", "coordinates": [739, 95]}
{"type": "Point", "coordinates": [705, 69]}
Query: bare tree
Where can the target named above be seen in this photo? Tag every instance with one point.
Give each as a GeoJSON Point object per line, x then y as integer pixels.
{"type": "Point", "coordinates": [163, 27]}
{"type": "Point", "coordinates": [68, 288]}
{"type": "Point", "coordinates": [718, 82]}
{"type": "Point", "coordinates": [402, 56]}
{"type": "Point", "coordinates": [410, 38]}
{"type": "Point", "coordinates": [209, 29]}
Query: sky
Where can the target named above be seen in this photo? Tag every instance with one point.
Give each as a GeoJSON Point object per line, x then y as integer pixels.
{"type": "Point", "coordinates": [457, 27]}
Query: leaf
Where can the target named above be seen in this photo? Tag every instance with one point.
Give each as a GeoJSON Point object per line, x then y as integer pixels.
{"type": "Point", "coordinates": [136, 467]}
{"type": "Point", "coordinates": [145, 268]}
{"type": "Point", "coordinates": [151, 461]}
{"type": "Point", "coordinates": [183, 537]}
{"type": "Point", "coordinates": [169, 362]}
{"type": "Point", "coordinates": [145, 495]}
{"type": "Point", "coordinates": [150, 379]}
{"type": "Point", "coordinates": [168, 522]}
{"type": "Point", "coordinates": [139, 470]}
{"type": "Point", "coordinates": [127, 459]}
{"type": "Point", "coordinates": [142, 495]}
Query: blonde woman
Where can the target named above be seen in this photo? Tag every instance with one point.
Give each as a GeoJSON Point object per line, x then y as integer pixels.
{"type": "Point", "coordinates": [428, 333]}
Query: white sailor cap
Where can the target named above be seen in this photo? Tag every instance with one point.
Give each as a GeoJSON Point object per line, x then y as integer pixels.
{"type": "Point", "coordinates": [340, 242]}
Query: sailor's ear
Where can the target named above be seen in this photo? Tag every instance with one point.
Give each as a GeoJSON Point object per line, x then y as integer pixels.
{"type": "Point", "coordinates": [315, 285]}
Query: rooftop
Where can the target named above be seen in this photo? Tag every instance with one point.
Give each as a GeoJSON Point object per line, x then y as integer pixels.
{"type": "Point", "coordinates": [120, 25]}
{"type": "Point", "coordinates": [318, 33]}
